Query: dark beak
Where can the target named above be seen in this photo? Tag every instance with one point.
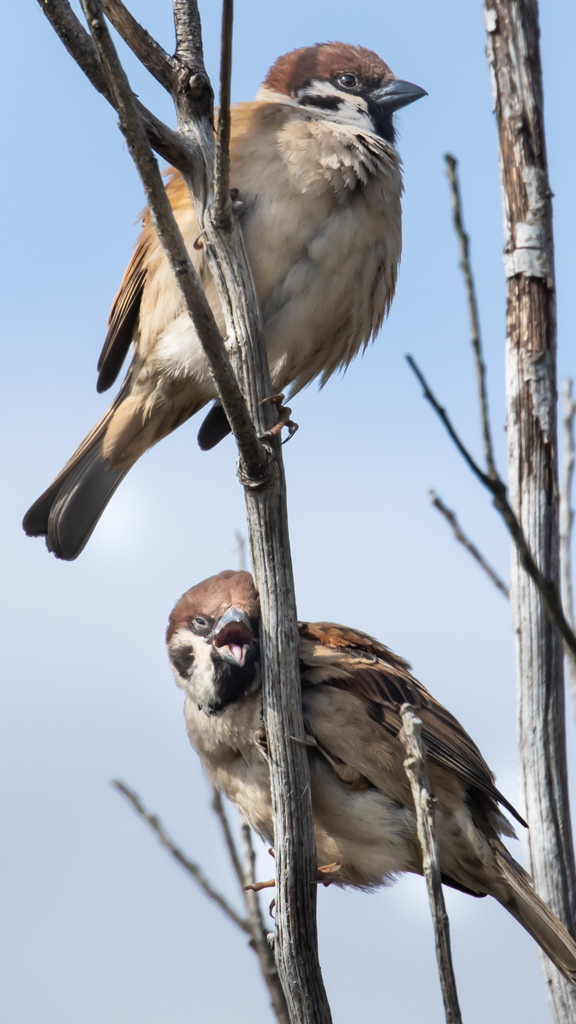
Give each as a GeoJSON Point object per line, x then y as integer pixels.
{"type": "Point", "coordinates": [396, 94]}
{"type": "Point", "coordinates": [233, 636]}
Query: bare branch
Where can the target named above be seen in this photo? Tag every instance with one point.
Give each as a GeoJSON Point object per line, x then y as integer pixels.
{"type": "Point", "coordinates": [221, 211]}
{"type": "Point", "coordinates": [149, 52]}
{"type": "Point", "coordinates": [168, 143]}
{"type": "Point", "coordinates": [241, 551]}
{"type": "Point", "coordinates": [567, 520]}
{"type": "Point", "coordinates": [467, 543]}
{"type": "Point", "coordinates": [255, 456]}
{"type": "Point", "coordinates": [546, 587]}
{"type": "Point", "coordinates": [188, 33]}
{"type": "Point", "coordinates": [218, 808]}
{"type": "Point", "coordinates": [451, 169]}
{"type": "Point", "coordinates": [259, 933]}
{"type": "Point", "coordinates": [415, 769]}
{"type": "Point", "coordinates": [193, 869]}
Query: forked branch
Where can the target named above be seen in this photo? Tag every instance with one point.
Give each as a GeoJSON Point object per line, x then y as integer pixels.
{"type": "Point", "coordinates": [546, 588]}
{"type": "Point", "coordinates": [415, 768]}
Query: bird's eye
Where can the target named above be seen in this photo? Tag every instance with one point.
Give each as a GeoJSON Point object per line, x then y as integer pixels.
{"type": "Point", "coordinates": [201, 625]}
{"type": "Point", "coordinates": [348, 81]}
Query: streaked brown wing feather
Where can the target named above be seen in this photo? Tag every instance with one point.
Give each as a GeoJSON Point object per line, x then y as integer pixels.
{"type": "Point", "coordinates": [373, 672]}
{"type": "Point", "coordinates": [123, 317]}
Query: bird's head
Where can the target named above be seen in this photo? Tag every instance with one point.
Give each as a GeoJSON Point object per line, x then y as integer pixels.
{"type": "Point", "coordinates": [343, 83]}
{"type": "Point", "coordinates": [212, 640]}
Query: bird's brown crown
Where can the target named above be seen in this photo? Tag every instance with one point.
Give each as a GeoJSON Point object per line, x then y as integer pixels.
{"type": "Point", "coordinates": [213, 597]}
{"type": "Point", "coordinates": [325, 62]}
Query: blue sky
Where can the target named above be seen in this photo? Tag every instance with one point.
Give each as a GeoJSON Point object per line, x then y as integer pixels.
{"type": "Point", "coordinates": [99, 924]}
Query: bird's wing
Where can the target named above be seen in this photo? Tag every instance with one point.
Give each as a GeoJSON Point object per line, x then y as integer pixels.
{"type": "Point", "coordinates": [123, 316]}
{"type": "Point", "coordinates": [358, 664]}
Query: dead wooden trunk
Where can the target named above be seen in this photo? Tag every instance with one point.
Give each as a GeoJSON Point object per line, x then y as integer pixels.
{"type": "Point", "coordinates": [514, 58]}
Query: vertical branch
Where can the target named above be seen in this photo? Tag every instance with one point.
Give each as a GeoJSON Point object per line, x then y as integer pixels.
{"type": "Point", "coordinates": [567, 521]}
{"type": "Point", "coordinates": [262, 948]}
{"type": "Point", "coordinates": [514, 58]}
{"type": "Point", "coordinates": [452, 172]}
{"type": "Point", "coordinates": [415, 769]}
{"type": "Point", "coordinates": [221, 207]}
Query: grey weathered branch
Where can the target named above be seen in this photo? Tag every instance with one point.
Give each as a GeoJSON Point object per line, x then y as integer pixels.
{"type": "Point", "coordinates": [255, 456]}
{"type": "Point", "coordinates": [415, 768]}
{"type": "Point", "coordinates": [547, 588]}
{"type": "Point", "coordinates": [190, 866]}
{"type": "Point", "coordinates": [452, 171]}
{"type": "Point", "coordinates": [221, 208]}
{"type": "Point", "coordinates": [260, 467]}
{"type": "Point", "coordinates": [143, 45]}
{"type": "Point", "coordinates": [513, 49]}
{"type": "Point", "coordinates": [244, 869]}
{"type": "Point", "coordinates": [465, 541]}
{"type": "Point", "coordinates": [567, 519]}
{"type": "Point", "coordinates": [167, 143]}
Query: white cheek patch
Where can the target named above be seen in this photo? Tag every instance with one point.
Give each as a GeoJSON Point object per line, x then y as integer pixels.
{"type": "Point", "coordinates": [192, 664]}
{"type": "Point", "coordinates": [333, 104]}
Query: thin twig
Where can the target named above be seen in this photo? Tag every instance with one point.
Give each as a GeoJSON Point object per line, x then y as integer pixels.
{"type": "Point", "coordinates": [240, 551]}
{"type": "Point", "coordinates": [253, 453]}
{"type": "Point", "coordinates": [547, 589]}
{"type": "Point", "coordinates": [567, 520]}
{"type": "Point", "coordinates": [451, 170]}
{"type": "Point", "coordinates": [221, 211]}
{"type": "Point", "coordinates": [415, 769]}
{"type": "Point", "coordinates": [193, 869]}
{"type": "Point", "coordinates": [220, 813]}
{"type": "Point", "coordinates": [244, 869]}
{"type": "Point", "coordinates": [168, 143]}
{"type": "Point", "coordinates": [260, 936]}
{"type": "Point", "coordinates": [149, 52]}
{"type": "Point", "coordinates": [467, 543]}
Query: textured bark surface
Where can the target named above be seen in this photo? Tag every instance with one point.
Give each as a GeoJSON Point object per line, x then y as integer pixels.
{"type": "Point", "coordinates": [415, 768]}
{"type": "Point", "coordinates": [514, 58]}
{"type": "Point", "coordinates": [192, 150]}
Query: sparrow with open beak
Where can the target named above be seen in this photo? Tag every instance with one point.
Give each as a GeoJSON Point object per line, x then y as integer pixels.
{"type": "Point", "coordinates": [319, 181]}
{"type": "Point", "coordinates": [352, 690]}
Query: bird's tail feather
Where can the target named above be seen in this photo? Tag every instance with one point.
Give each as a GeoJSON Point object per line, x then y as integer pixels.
{"type": "Point", "coordinates": [535, 916]}
{"type": "Point", "coordinates": [68, 511]}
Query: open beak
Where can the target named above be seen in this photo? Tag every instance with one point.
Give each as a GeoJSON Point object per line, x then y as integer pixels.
{"type": "Point", "coordinates": [233, 636]}
{"type": "Point", "coordinates": [396, 94]}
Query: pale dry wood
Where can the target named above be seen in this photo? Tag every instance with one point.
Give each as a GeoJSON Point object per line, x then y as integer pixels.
{"type": "Point", "coordinates": [465, 541]}
{"type": "Point", "coordinates": [221, 208]}
{"type": "Point", "coordinates": [261, 472]}
{"type": "Point", "coordinates": [143, 45]}
{"type": "Point", "coordinates": [567, 520]}
{"type": "Point", "coordinates": [515, 65]}
{"type": "Point", "coordinates": [415, 768]}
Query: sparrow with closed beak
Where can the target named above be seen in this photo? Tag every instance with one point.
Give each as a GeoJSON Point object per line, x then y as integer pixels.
{"type": "Point", "coordinates": [319, 180]}
{"type": "Point", "coordinates": [352, 690]}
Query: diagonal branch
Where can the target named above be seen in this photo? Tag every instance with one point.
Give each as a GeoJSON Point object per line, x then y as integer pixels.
{"type": "Point", "coordinates": [415, 768]}
{"type": "Point", "coordinates": [221, 212]}
{"type": "Point", "coordinates": [567, 519]}
{"type": "Point", "coordinates": [193, 869]}
{"type": "Point", "coordinates": [168, 143]}
{"type": "Point", "coordinates": [255, 457]}
{"type": "Point", "coordinates": [451, 170]}
{"type": "Point", "coordinates": [546, 587]}
{"type": "Point", "coordinates": [143, 45]}
{"type": "Point", "coordinates": [465, 541]}
{"type": "Point", "coordinates": [218, 808]}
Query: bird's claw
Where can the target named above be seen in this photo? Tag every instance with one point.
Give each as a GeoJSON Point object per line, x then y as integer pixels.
{"type": "Point", "coordinates": [257, 886]}
{"type": "Point", "coordinates": [283, 419]}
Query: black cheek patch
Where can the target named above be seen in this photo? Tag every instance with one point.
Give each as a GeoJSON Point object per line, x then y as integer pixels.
{"type": "Point", "coordinates": [183, 659]}
{"type": "Point", "coordinates": [324, 102]}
